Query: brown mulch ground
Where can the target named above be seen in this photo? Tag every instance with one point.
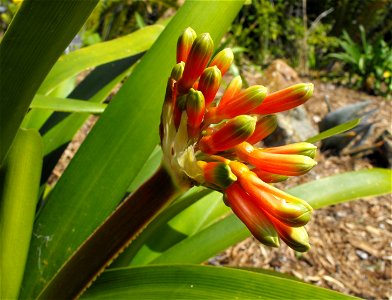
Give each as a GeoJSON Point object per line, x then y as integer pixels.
{"type": "Point", "coordinates": [351, 243]}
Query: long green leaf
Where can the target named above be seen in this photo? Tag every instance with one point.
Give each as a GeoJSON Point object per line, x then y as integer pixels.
{"type": "Point", "coordinates": [201, 282]}
{"type": "Point", "coordinates": [73, 63]}
{"type": "Point", "coordinates": [37, 36]}
{"type": "Point", "coordinates": [60, 128]}
{"type": "Point", "coordinates": [158, 225]}
{"type": "Point", "coordinates": [186, 223]}
{"type": "Point", "coordinates": [66, 105]}
{"type": "Point", "coordinates": [334, 131]}
{"type": "Point", "coordinates": [345, 187]}
{"type": "Point", "coordinates": [116, 148]}
{"type": "Point", "coordinates": [19, 183]}
{"type": "Point", "coordinates": [323, 192]}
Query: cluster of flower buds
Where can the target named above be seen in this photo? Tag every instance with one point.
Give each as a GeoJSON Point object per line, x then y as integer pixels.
{"type": "Point", "coordinates": [210, 141]}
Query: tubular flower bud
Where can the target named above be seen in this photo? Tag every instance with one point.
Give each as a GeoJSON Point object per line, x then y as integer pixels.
{"type": "Point", "coordinates": [217, 174]}
{"type": "Point", "coordinates": [234, 132]}
{"type": "Point", "coordinates": [265, 125]}
{"type": "Point", "coordinates": [197, 60]}
{"type": "Point", "coordinates": [253, 217]}
{"type": "Point", "coordinates": [232, 90]}
{"type": "Point", "coordinates": [209, 83]}
{"type": "Point", "coordinates": [283, 164]}
{"type": "Point", "coordinates": [302, 148]}
{"type": "Point", "coordinates": [223, 60]}
{"type": "Point", "coordinates": [242, 103]}
{"type": "Point", "coordinates": [184, 44]}
{"type": "Point", "coordinates": [177, 71]}
{"type": "Point", "coordinates": [295, 237]}
{"type": "Point", "coordinates": [208, 141]}
{"type": "Point", "coordinates": [195, 109]}
{"type": "Point", "coordinates": [285, 99]}
{"type": "Point", "coordinates": [286, 208]}
{"type": "Point", "coordinates": [269, 177]}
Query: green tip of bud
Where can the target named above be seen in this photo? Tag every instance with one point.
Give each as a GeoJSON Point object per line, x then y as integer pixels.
{"type": "Point", "coordinates": [177, 71]}
{"type": "Point", "coordinates": [243, 125]}
{"type": "Point", "coordinates": [209, 83]}
{"type": "Point", "coordinates": [223, 60]}
{"type": "Point", "coordinates": [301, 148]}
{"type": "Point", "coordinates": [270, 241]}
{"type": "Point", "coordinates": [297, 239]}
{"type": "Point", "coordinates": [184, 44]}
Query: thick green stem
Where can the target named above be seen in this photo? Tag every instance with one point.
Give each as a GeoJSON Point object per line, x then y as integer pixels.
{"type": "Point", "coordinates": [119, 229]}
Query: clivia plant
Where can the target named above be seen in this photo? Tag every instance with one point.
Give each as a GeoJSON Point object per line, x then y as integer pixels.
{"type": "Point", "coordinates": [159, 192]}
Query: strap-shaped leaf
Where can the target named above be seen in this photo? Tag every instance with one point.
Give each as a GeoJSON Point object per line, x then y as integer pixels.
{"type": "Point", "coordinates": [73, 63]}
{"type": "Point", "coordinates": [66, 105]}
{"type": "Point", "coordinates": [333, 131]}
{"type": "Point", "coordinates": [19, 184]}
{"type": "Point", "coordinates": [201, 282]}
{"type": "Point", "coordinates": [37, 36]}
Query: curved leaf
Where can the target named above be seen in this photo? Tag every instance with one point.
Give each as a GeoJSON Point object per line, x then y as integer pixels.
{"type": "Point", "coordinates": [333, 131]}
{"type": "Point", "coordinates": [37, 36]}
{"type": "Point", "coordinates": [66, 105]}
{"type": "Point", "coordinates": [200, 282]}
{"type": "Point", "coordinates": [73, 63]}
{"type": "Point", "coordinates": [19, 184]}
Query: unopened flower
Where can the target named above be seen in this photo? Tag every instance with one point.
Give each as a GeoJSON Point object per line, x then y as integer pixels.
{"type": "Point", "coordinates": [212, 141]}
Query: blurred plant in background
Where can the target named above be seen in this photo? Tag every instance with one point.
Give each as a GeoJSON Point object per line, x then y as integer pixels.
{"type": "Point", "coordinates": [369, 65]}
{"type": "Point", "coordinates": [274, 29]}
{"type": "Point", "coordinates": [113, 18]}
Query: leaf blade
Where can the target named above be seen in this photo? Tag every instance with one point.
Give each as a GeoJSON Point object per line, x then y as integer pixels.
{"type": "Point", "coordinates": [201, 282]}
{"type": "Point", "coordinates": [19, 185]}
{"type": "Point", "coordinates": [334, 131]}
{"type": "Point", "coordinates": [28, 52]}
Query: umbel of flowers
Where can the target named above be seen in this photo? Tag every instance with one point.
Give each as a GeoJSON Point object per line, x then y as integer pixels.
{"type": "Point", "coordinates": [212, 141]}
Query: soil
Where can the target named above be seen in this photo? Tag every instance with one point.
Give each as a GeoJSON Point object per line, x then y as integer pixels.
{"type": "Point", "coordinates": [351, 243]}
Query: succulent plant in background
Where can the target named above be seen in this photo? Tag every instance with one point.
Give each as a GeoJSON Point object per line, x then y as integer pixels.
{"type": "Point", "coordinates": [210, 141]}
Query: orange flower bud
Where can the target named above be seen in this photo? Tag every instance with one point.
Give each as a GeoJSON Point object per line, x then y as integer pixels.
{"type": "Point", "coordinates": [223, 60]}
{"type": "Point", "coordinates": [286, 208]}
{"type": "Point", "coordinates": [233, 89]}
{"type": "Point", "coordinates": [242, 103]}
{"type": "Point", "coordinates": [251, 215]}
{"type": "Point", "coordinates": [217, 174]}
{"type": "Point", "coordinates": [209, 83]}
{"type": "Point", "coordinates": [265, 125]}
{"type": "Point", "coordinates": [285, 99]}
{"type": "Point", "coordinates": [283, 164]}
{"type": "Point", "coordinates": [195, 109]}
{"type": "Point", "coordinates": [184, 44]}
{"type": "Point", "coordinates": [231, 134]}
{"type": "Point", "coordinates": [197, 60]}
{"type": "Point", "coordinates": [301, 148]}
{"type": "Point", "coordinates": [269, 177]}
{"type": "Point", "coordinates": [295, 237]}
